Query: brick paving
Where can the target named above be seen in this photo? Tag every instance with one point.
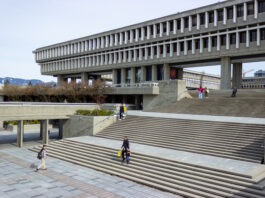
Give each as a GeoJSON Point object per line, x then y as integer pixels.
{"type": "Point", "coordinates": [62, 179]}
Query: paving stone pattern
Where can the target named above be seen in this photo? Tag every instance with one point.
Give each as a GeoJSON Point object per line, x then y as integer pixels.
{"type": "Point", "coordinates": [62, 179]}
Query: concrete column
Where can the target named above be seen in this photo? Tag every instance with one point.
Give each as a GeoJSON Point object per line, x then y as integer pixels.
{"type": "Point", "coordinates": [136, 35]}
{"type": "Point", "coordinates": [131, 36]}
{"type": "Point", "coordinates": [225, 73]}
{"type": "Point", "coordinates": [215, 18]}
{"type": "Point", "coordinates": [84, 77]}
{"type": "Point", "coordinates": [258, 36]}
{"type": "Point", "coordinates": [175, 26]}
{"type": "Point", "coordinates": [146, 53]}
{"type": "Point", "coordinates": [158, 51]}
{"type": "Point", "coordinates": [140, 54]}
{"type": "Point", "coordinates": [166, 71]}
{"type": "Point", "coordinates": [111, 40]}
{"type": "Point", "coordinates": [198, 21]}
{"type": "Point", "coordinates": [142, 33]}
{"type": "Point", "coordinates": [180, 73]}
{"type": "Point", "coordinates": [201, 45]}
{"type": "Point", "coordinates": [152, 52]}
{"type": "Point", "coordinates": [256, 9]}
{"type": "Point", "coordinates": [185, 47]}
{"type": "Point", "coordinates": [206, 19]}
{"type": "Point", "coordinates": [218, 42]}
{"type": "Point", "coordinates": [171, 50]}
{"type": "Point", "coordinates": [133, 75]}
{"type": "Point", "coordinates": [209, 44]}
{"type": "Point", "coordinates": [247, 38]}
{"type": "Point", "coordinates": [124, 57]}
{"type": "Point", "coordinates": [193, 46]}
{"type": "Point", "coordinates": [134, 55]}
{"type": "Point", "coordinates": [237, 39]}
{"type": "Point", "coordinates": [107, 41]}
{"type": "Point", "coordinates": [225, 16]}
{"type": "Point", "coordinates": [164, 51]}
{"type": "Point", "coordinates": [60, 129]}
{"type": "Point", "coordinates": [237, 75]}
{"type": "Point", "coordinates": [121, 38]}
{"type": "Point", "coordinates": [178, 48]}
{"type": "Point", "coordinates": [155, 31]}
{"type": "Point", "coordinates": [190, 23]}
{"type": "Point", "coordinates": [154, 73]}
{"type": "Point", "coordinates": [227, 41]}
{"type": "Point", "coordinates": [234, 13]}
{"type": "Point", "coordinates": [119, 59]}
{"type": "Point", "coordinates": [182, 25]}
{"type": "Point", "coordinates": [245, 11]}
{"type": "Point", "coordinates": [102, 42]}
{"type": "Point", "coordinates": [60, 80]}
{"type": "Point", "coordinates": [143, 74]}
{"type": "Point", "coordinates": [116, 39]}
{"type": "Point", "coordinates": [129, 55]}
{"type": "Point", "coordinates": [98, 43]}
{"type": "Point", "coordinates": [168, 28]}
{"type": "Point", "coordinates": [114, 76]}
{"type": "Point", "coordinates": [126, 37]}
{"type": "Point", "coordinates": [123, 76]}
{"type": "Point", "coordinates": [20, 133]}
{"type": "Point", "coordinates": [161, 29]}
{"type": "Point", "coordinates": [44, 131]}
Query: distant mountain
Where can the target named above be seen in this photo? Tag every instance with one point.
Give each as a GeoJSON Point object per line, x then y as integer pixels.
{"type": "Point", "coordinates": [19, 81]}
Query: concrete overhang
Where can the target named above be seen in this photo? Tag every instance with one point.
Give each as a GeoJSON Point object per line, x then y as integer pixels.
{"type": "Point", "coordinates": [133, 91]}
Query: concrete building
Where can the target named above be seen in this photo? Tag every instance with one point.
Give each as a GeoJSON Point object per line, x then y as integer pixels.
{"type": "Point", "coordinates": [226, 33]}
{"type": "Point", "coordinates": [259, 73]}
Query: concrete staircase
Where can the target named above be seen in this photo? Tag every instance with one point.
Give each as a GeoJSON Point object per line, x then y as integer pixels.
{"type": "Point", "coordinates": [229, 140]}
{"type": "Point", "coordinates": [184, 179]}
{"type": "Point", "coordinates": [248, 103]}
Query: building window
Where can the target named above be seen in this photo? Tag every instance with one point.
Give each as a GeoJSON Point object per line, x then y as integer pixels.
{"type": "Point", "coordinates": [240, 11]}
{"type": "Point", "coordinates": [242, 37]}
{"type": "Point", "coordinates": [197, 43]}
{"type": "Point", "coordinates": [232, 38]}
{"type": "Point", "coordinates": [230, 13]}
{"type": "Point", "coordinates": [262, 34]}
{"type": "Point", "coordinates": [145, 31]}
{"type": "Point", "coordinates": [164, 27]}
{"type": "Point", "coordinates": [194, 20]}
{"type": "Point", "coordinates": [151, 30]}
{"type": "Point", "coordinates": [171, 26]}
{"type": "Point", "coordinates": [189, 45]}
{"type": "Point", "coordinates": [148, 73]}
{"type": "Point", "coordinates": [159, 72]}
{"type": "Point", "coordinates": [253, 35]}
{"type": "Point", "coordinates": [174, 47]}
{"type": "Point", "coordinates": [214, 41]}
{"type": "Point", "coordinates": [119, 76]}
{"type": "Point", "coordinates": [161, 49]}
{"type": "Point", "coordinates": [181, 46]}
{"type": "Point", "coordinates": [186, 22]}
{"type": "Point", "coordinates": [178, 24]}
{"type": "Point", "coordinates": [202, 18]}
{"type": "Point", "coordinates": [128, 75]}
{"type": "Point", "coordinates": [220, 15]}
{"type": "Point", "coordinates": [168, 48]}
{"type": "Point", "coordinates": [250, 7]}
{"type": "Point", "coordinates": [205, 43]}
{"type": "Point", "coordinates": [261, 6]}
{"type": "Point", "coordinates": [211, 17]}
{"type": "Point", "coordinates": [138, 72]}
{"type": "Point", "coordinates": [158, 28]}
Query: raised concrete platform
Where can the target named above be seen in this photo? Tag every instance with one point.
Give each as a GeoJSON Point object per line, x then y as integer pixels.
{"type": "Point", "coordinates": [246, 120]}
{"type": "Point", "coordinates": [63, 179]}
{"type": "Point", "coordinates": [249, 169]}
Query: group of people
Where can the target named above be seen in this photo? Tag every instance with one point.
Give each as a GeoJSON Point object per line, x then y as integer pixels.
{"type": "Point", "coordinates": [203, 90]}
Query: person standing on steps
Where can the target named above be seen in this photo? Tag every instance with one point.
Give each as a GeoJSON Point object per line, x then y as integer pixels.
{"type": "Point", "coordinates": [42, 155]}
{"type": "Point", "coordinates": [121, 111]}
{"type": "Point", "coordinates": [125, 147]}
{"type": "Point", "coordinates": [200, 90]}
{"type": "Point", "coordinates": [234, 92]}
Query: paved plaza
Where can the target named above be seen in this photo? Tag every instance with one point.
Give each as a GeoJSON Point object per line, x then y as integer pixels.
{"type": "Point", "coordinates": [62, 179]}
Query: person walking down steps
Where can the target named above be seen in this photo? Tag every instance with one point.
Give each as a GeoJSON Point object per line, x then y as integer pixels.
{"type": "Point", "coordinates": [42, 155]}
{"type": "Point", "coordinates": [125, 147]}
{"type": "Point", "coordinates": [121, 112]}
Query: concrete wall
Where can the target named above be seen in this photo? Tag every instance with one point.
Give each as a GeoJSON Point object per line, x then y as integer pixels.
{"type": "Point", "coordinates": [28, 127]}
{"type": "Point", "coordinates": [170, 92]}
{"type": "Point", "coordinates": [86, 125]}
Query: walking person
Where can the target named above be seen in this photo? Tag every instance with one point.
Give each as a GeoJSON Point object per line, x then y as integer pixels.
{"type": "Point", "coordinates": [206, 92]}
{"type": "Point", "coordinates": [200, 90]}
{"type": "Point", "coordinates": [125, 147]}
{"type": "Point", "coordinates": [42, 155]}
{"type": "Point", "coordinates": [234, 92]}
{"type": "Point", "coordinates": [121, 111]}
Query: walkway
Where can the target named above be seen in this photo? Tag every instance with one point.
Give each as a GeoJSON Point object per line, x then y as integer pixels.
{"type": "Point", "coordinates": [242, 167]}
{"type": "Point", "coordinates": [62, 179]}
{"type": "Point", "coordinates": [246, 120]}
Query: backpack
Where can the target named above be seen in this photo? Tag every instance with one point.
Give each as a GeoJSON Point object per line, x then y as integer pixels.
{"type": "Point", "coordinates": [39, 156]}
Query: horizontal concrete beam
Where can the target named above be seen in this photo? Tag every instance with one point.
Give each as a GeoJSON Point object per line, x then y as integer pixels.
{"type": "Point", "coordinates": [133, 91]}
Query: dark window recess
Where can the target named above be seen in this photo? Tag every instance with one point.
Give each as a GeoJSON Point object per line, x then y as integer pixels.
{"type": "Point", "coordinates": [240, 10]}
{"type": "Point", "coordinates": [174, 47]}
{"type": "Point", "coordinates": [211, 17]}
{"type": "Point", "coordinates": [197, 43]}
{"type": "Point", "coordinates": [223, 39]}
{"type": "Point", "coordinates": [262, 34]}
{"type": "Point", "coordinates": [149, 51]}
{"type": "Point", "coordinates": [250, 7]}
{"type": "Point", "coordinates": [145, 31]}
{"type": "Point", "coordinates": [168, 48]}
{"type": "Point", "coordinates": [181, 46]}
{"type": "Point", "coordinates": [139, 32]}
{"type": "Point", "coordinates": [157, 28]}
{"type": "Point", "coordinates": [205, 42]}
{"type": "Point", "coordinates": [129, 35]}
{"type": "Point", "coordinates": [137, 53]}
{"type": "Point", "coordinates": [230, 13]}
{"type": "Point", "coordinates": [242, 37]}
{"type": "Point", "coordinates": [253, 35]}
{"type": "Point", "coordinates": [186, 22]}
{"type": "Point", "coordinates": [194, 20]}
{"type": "Point", "coordinates": [143, 52]}
{"type": "Point", "coordinates": [160, 72]}
{"type": "Point", "coordinates": [119, 76]}
{"type": "Point", "coordinates": [112, 57]}
{"type": "Point", "coordinates": [161, 49]}
{"type": "Point", "coordinates": [189, 45]}
{"type": "Point", "coordinates": [149, 73]}
{"type": "Point", "coordinates": [155, 50]}
{"type": "Point", "coordinates": [178, 24]}
{"type": "Point", "coordinates": [233, 38]}
{"type": "Point", "coordinates": [134, 34]}
{"type": "Point", "coordinates": [164, 27]}
{"type": "Point", "coordinates": [261, 6]}
{"type": "Point", "coordinates": [152, 29]}
{"type": "Point", "coordinates": [171, 24]}
{"type": "Point", "coordinates": [214, 41]}
{"type": "Point", "coordinates": [202, 18]}
{"type": "Point", "coordinates": [220, 15]}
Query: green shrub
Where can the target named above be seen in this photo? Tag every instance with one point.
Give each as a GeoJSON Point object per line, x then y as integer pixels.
{"type": "Point", "coordinates": [95, 112]}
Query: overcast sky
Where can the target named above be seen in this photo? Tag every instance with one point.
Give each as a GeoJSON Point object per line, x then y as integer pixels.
{"type": "Point", "coordinates": [29, 24]}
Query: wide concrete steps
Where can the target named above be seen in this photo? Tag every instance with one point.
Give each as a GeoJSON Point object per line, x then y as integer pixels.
{"type": "Point", "coordinates": [188, 180]}
{"type": "Point", "coordinates": [230, 140]}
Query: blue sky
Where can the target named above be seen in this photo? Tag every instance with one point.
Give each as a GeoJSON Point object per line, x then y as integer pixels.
{"type": "Point", "coordinates": [29, 24]}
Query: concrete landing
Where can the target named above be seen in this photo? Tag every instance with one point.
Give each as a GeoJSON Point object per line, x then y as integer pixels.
{"type": "Point", "coordinates": [245, 120]}
{"type": "Point", "coordinates": [241, 167]}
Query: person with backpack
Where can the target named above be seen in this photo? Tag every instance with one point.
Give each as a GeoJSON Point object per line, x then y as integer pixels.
{"type": "Point", "coordinates": [125, 147]}
{"type": "Point", "coordinates": [42, 155]}
{"type": "Point", "coordinates": [200, 90]}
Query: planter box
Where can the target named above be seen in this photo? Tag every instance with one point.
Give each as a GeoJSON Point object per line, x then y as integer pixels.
{"type": "Point", "coordinates": [79, 125]}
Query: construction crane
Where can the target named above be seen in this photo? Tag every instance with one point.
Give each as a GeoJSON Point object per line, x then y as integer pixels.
{"type": "Point", "coordinates": [244, 73]}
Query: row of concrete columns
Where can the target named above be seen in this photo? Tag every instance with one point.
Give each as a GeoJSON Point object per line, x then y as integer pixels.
{"type": "Point", "coordinates": [166, 74]}
{"type": "Point", "coordinates": [84, 78]}
{"type": "Point", "coordinates": [226, 74]}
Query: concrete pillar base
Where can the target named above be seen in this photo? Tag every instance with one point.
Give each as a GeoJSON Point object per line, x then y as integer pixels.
{"type": "Point", "coordinates": [180, 73]}
{"type": "Point", "coordinates": [225, 73]}
{"type": "Point", "coordinates": [166, 70]}
{"type": "Point", "coordinates": [44, 131]}
{"type": "Point", "coordinates": [237, 75]}
{"type": "Point", "coordinates": [84, 77]}
{"type": "Point", "coordinates": [143, 74]}
{"type": "Point", "coordinates": [20, 133]}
